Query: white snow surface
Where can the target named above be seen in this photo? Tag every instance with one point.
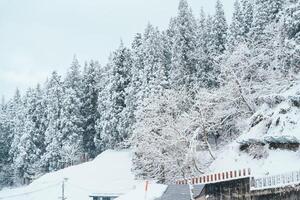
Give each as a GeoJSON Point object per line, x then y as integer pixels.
{"type": "Point", "coordinates": [109, 173]}
{"type": "Point", "coordinates": [154, 191]}
{"type": "Point", "coordinates": [280, 119]}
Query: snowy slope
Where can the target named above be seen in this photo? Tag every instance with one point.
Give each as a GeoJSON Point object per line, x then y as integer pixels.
{"type": "Point", "coordinates": [154, 191]}
{"type": "Point", "coordinates": [277, 119]}
{"type": "Point", "coordinates": [110, 172]}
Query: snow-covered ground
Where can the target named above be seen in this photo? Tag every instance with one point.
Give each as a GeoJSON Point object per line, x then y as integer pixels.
{"type": "Point", "coordinates": [110, 172]}
{"type": "Point", "coordinates": [277, 119]}
{"type": "Point", "coordinates": [154, 191]}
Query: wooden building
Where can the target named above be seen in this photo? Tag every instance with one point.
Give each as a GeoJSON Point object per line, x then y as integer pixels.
{"type": "Point", "coordinates": [240, 185]}
{"type": "Point", "coordinates": [238, 189]}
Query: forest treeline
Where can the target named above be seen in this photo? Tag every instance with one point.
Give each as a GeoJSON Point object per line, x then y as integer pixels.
{"type": "Point", "coordinates": [174, 96]}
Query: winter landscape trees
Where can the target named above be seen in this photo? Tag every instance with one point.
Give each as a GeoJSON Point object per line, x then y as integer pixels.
{"type": "Point", "coordinates": [174, 97]}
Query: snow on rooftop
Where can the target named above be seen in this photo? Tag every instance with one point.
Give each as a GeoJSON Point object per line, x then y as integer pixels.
{"type": "Point", "coordinates": [110, 173]}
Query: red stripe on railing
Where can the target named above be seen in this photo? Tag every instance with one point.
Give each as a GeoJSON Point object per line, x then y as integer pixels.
{"type": "Point", "coordinates": [222, 176]}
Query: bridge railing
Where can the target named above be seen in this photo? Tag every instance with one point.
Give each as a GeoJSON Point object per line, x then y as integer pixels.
{"type": "Point", "coordinates": [217, 177]}
{"type": "Point", "coordinates": [275, 181]}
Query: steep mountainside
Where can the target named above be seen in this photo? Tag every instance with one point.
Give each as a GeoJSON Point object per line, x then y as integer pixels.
{"type": "Point", "coordinates": [270, 145]}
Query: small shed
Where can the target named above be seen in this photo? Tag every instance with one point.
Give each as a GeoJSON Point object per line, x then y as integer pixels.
{"type": "Point", "coordinates": [105, 196]}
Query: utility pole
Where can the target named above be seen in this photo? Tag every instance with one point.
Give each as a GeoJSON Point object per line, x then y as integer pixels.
{"type": "Point", "coordinates": [63, 189]}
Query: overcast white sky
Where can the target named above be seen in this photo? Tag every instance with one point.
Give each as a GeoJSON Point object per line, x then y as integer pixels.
{"type": "Point", "coordinates": [39, 36]}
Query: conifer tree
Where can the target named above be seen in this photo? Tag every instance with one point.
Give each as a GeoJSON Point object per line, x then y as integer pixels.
{"type": "Point", "coordinates": [6, 170]}
{"type": "Point", "coordinates": [264, 13]}
{"type": "Point", "coordinates": [291, 31]}
{"type": "Point", "coordinates": [183, 67]}
{"type": "Point", "coordinates": [31, 146]}
{"type": "Point", "coordinates": [51, 160]}
{"type": "Point", "coordinates": [17, 115]}
{"type": "Point", "coordinates": [113, 127]}
{"type": "Point", "coordinates": [237, 27]}
{"type": "Point", "coordinates": [154, 72]}
{"type": "Point", "coordinates": [219, 30]}
{"type": "Point", "coordinates": [71, 116]}
{"type": "Point", "coordinates": [247, 16]}
{"type": "Point", "coordinates": [90, 92]}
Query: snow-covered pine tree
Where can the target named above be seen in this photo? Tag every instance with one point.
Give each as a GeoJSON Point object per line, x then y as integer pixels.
{"type": "Point", "coordinates": [247, 16]}
{"type": "Point", "coordinates": [264, 13]}
{"type": "Point", "coordinates": [134, 91]}
{"type": "Point", "coordinates": [4, 136]}
{"type": "Point", "coordinates": [17, 115]}
{"type": "Point", "coordinates": [201, 51]}
{"type": "Point", "coordinates": [207, 66]}
{"type": "Point", "coordinates": [71, 117]}
{"type": "Point", "coordinates": [206, 73]}
{"type": "Point", "coordinates": [51, 160]}
{"type": "Point", "coordinates": [219, 30]}
{"type": "Point", "coordinates": [113, 126]}
{"type": "Point", "coordinates": [291, 32]}
{"type": "Point", "coordinates": [183, 66]}
{"type": "Point", "coordinates": [137, 67]}
{"type": "Point", "coordinates": [90, 89]}
{"type": "Point", "coordinates": [5, 145]}
{"type": "Point", "coordinates": [215, 41]}
{"type": "Point", "coordinates": [31, 141]}
{"type": "Point", "coordinates": [154, 74]}
{"type": "Point", "coordinates": [237, 27]}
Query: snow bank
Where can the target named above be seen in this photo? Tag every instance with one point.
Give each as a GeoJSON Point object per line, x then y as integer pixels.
{"type": "Point", "coordinates": [154, 191]}
{"type": "Point", "coordinates": [277, 161]}
{"type": "Point", "coordinates": [110, 172]}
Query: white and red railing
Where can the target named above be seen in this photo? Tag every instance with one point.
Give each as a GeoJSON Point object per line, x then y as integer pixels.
{"type": "Point", "coordinates": [275, 181]}
{"type": "Point", "coordinates": [217, 177]}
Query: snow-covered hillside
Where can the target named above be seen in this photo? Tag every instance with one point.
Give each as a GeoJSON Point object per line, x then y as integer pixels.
{"type": "Point", "coordinates": [110, 172]}
{"type": "Point", "coordinates": [270, 144]}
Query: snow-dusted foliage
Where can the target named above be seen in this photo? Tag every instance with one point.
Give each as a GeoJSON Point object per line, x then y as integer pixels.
{"type": "Point", "coordinates": [90, 115]}
{"type": "Point", "coordinates": [113, 124]}
{"type": "Point", "coordinates": [271, 138]}
{"type": "Point", "coordinates": [176, 97]}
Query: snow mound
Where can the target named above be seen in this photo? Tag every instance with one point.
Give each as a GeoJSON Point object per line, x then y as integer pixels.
{"type": "Point", "coordinates": [154, 191]}
{"type": "Point", "coordinates": [110, 172]}
{"type": "Point", "coordinates": [276, 122]}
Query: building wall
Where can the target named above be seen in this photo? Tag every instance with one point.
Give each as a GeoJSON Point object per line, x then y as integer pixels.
{"type": "Point", "coordinates": [283, 196]}
{"type": "Point", "coordinates": [284, 193]}
{"type": "Point", "coordinates": [239, 189]}
{"type": "Point", "coordinates": [230, 190]}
